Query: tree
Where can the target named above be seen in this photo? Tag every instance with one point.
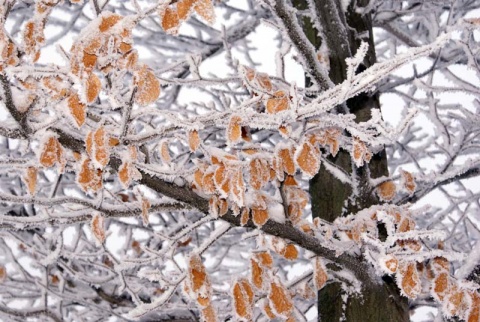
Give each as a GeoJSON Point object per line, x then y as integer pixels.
{"type": "Point", "coordinates": [141, 181]}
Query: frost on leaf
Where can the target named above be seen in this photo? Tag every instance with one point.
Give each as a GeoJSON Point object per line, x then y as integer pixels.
{"type": "Point", "coordinates": [440, 286]}
{"type": "Point", "coordinates": [209, 314]}
{"type": "Point", "coordinates": [148, 86]}
{"type": "Point", "coordinates": [33, 38]}
{"type": "Point", "coordinates": [259, 173]}
{"type": "Point", "coordinates": [327, 137]}
{"type": "Point", "coordinates": [198, 283]}
{"type": "Point", "coordinates": [258, 80]}
{"type": "Point", "coordinates": [360, 153]}
{"type": "Point", "coordinates": [165, 153]}
{"type": "Point", "coordinates": [92, 87]}
{"type": "Point", "coordinates": [88, 177]}
{"type": "Point", "coordinates": [288, 251]}
{"type": "Point", "coordinates": [259, 216]}
{"type": "Point", "coordinates": [284, 160]}
{"type": "Point", "coordinates": [185, 8]}
{"type": "Point", "coordinates": [127, 173]}
{"type": "Point", "coordinates": [320, 276]}
{"type": "Point", "coordinates": [3, 273]}
{"type": "Point", "coordinates": [204, 8]}
{"type": "Point", "coordinates": [98, 228]}
{"type": "Point", "coordinates": [234, 130]}
{"type": "Point", "coordinates": [52, 153]}
{"type": "Point", "coordinates": [278, 102]}
{"type": "Point", "coordinates": [390, 263]}
{"type": "Point", "coordinates": [145, 208]}
{"type": "Point", "coordinates": [242, 293]}
{"type": "Point", "coordinates": [408, 280]}
{"type": "Point", "coordinates": [193, 140]}
{"type": "Point", "coordinates": [308, 159]}
{"type": "Point", "coordinates": [260, 263]}
{"type": "Point", "coordinates": [407, 182]}
{"type": "Point", "coordinates": [77, 109]}
{"type": "Point", "coordinates": [98, 147]}
{"type": "Point", "coordinates": [170, 20]}
{"type": "Point", "coordinates": [386, 190]}
{"type": "Point", "coordinates": [280, 299]}
{"type": "Point", "coordinates": [30, 179]}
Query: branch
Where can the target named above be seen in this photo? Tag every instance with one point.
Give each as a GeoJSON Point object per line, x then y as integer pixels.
{"type": "Point", "coordinates": [20, 118]}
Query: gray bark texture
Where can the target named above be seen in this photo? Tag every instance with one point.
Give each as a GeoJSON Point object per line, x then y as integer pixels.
{"type": "Point", "coordinates": [343, 33]}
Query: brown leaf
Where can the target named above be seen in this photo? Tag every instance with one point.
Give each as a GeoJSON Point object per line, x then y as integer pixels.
{"type": "Point", "coordinates": [259, 216]}
{"type": "Point", "coordinates": [277, 103]}
{"type": "Point", "coordinates": [320, 276]}
{"type": "Point", "coordinates": [193, 140]}
{"type": "Point", "coordinates": [77, 109]}
{"type": "Point", "coordinates": [145, 207]}
{"type": "Point", "coordinates": [280, 299]}
{"type": "Point", "coordinates": [30, 179]}
{"type": "Point", "coordinates": [148, 86]}
{"type": "Point", "coordinates": [204, 9]}
{"type": "Point", "coordinates": [108, 21]}
{"type": "Point", "coordinates": [408, 182]}
{"type": "Point", "coordinates": [386, 190]}
{"type": "Point", "coordinates": [3, 273]}
{"type": "Point", "coordinates": [308, 160]}
{"type": "Point", "coordinates": [88, 177]}
{"type": "Point", "coordinates": [93, 87]}
{"type": "Point", "coordinates": [410, 282]}
{"type": "Point", "coordinates": [234, 130]}
{"type": "Point", "coordinates": [170, 20]}
{"type": "Point", "coordinates": [98, 227]}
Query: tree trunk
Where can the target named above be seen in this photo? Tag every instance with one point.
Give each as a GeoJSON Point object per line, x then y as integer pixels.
{"type": "Point", "coordinates": [330, 197]}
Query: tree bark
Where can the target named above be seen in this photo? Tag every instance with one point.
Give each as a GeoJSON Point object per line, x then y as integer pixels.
{"type": "Point", "coordinates": [343, 33]}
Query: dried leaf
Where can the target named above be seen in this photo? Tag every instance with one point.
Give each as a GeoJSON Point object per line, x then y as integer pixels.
{"type": "Point", "coordinates": [198, 281]}
{"type": "Point", "coordinates": [108, 21]}
{"type": "Point", "coordinates": [308, 160]}
{"type": "Point", "coordinates": [285, 161]}
{"type": "Point", "coordinates": [93, 87]}
{"type": "Point", "coordinates": [77, 109]}
{"type": "Point", "coordinates": [193, 140]}
{"type": "Point", "coordinates": [277, 103]}
{"type": "Point", "coordinates": [88, 177]}
{"type": "Point", "coordinates": [148, 86]}
{"type": "Point", "coordinates": [98, 227]}
{"type": "Point", "coordinates": [410, 282]}
{"type": "Point", "coordinates": [280, 299]}
{"type": "Point", "coordinates": [386, 190]}
{"type": "Point", "coordinates": [209, 314]}
{"type": "Point", "coordinates": [320, 276]}
{"type": "Point", "coordinates": [204, 9]}
{"type": "Point", "coordinates": [52, 153]}
{"type": "Point", "coordinates": [3, 273]}
{"type": "Point", "coordinates": [30, 179]}
{"type": "Point", "coordinates": [408, 182]}
{"type": "Point", "coordinates": [234, 130]}
{"type": "Point", "coordinates": [243, 298]}
{"type": "Point", "coordinates": [165, 153]}
{"type": "Point", "coordinates": [185, 8]}
{"type": "Point", "coordinates": [259, 216]}
{"type": "Point", "coordinates": [145, 207]}
{"type": "Point", "coordinates": [170, 20]}
{"type": "Point", "coordinates": [259, 173]}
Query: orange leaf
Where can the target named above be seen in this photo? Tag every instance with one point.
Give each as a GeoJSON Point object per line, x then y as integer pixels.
{"type": "Point", "coordinates": [108, 21]}
{"type": "Point", "coordinates": [410, 282]}
{"type": "Point", "coordinates": [408, 182]}
{"type": "Point", "coordinates": [259, 173]}
{"type": "Point", "coordinates": [3, 273]}
{"type": "Point", "coordinates": [386, 190]}
{"type": "Point", "coordinates": [88, 177]}
{"type": "Point", "coordinates": [209, 314]}
{"type": "Point", "coordinates": [184, 8]}
{"type": "Point", "coordinates": [52, 152]}
{"type": "Point", "coordinates": [243, 298]}
{"type": "Point", "coordinates": [291, 252]}
{"type": "Point", "coordinates": [204, 9]}
{"type": "Point", "coordinates": [279, 102]}
{"type": "Point", "coordinates": [308, 159]}
{"type": "Point", "coordinates": [285, 161]}
{"type": "Point", "coordinates": [93, 86]}
{"type": "Point", "coordinates": [259, 216]}
{"type": "Point", "coordinates": [244, 216]}
{"type": "Point", "coordinates": [280, 299]}
{"type": "Point", "coordinates": [198, 281]}
{"type": "Point", "coordinates": [234, 130]}
{"type": "Point", "coordinates": [145, 207]}
{"type": "Point", "coordinates": [101, 147]}
{"type": "Point", "coordinates": [98, 228]}
{"type": "Point", "coordinates": [30, 179]}
{"type": "Point", "coordinates": [165, 153]}
{"type": "Point", "coordinates": [170, 20]}
{"type": "Point", "coordinates": [440, 285]}
{"type": "Point", "coordinates": [77, 109]}
{"type": "Point", "coordinates": [320, 276]}
{"type": "Point", "coordinates": [148, 86]}
{"type": "Point", "coordinates": [193, 140]}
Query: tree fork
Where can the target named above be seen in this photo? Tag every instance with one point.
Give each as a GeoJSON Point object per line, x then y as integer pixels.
{"type": "Point", "coordinates": [342, 32]}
